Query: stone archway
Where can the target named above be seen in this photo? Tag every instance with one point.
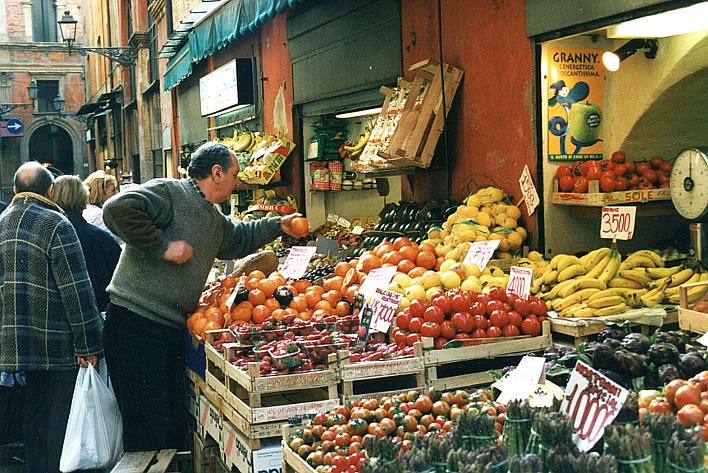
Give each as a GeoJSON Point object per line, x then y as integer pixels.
{"type": "Point", "coordinates": [61, 127]}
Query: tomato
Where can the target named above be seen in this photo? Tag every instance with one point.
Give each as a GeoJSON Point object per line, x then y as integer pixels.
{"type": "Point", "coordinates": [521, 306]}
{"type": "Point", "coordinates": [566, 183]}
{"type": "Point", "coordinates": [580, 186]}
{"type": "Point", "coordinates": [642, 167]}
{"type": "Point", "coordinates": [687, 394]}
{"type": "Point", "coordinates": [494, 332]}
{"type": "Point", "coordinates": [510, 331]}
{"type": "Point", "coordinates": [494, 305]}
{"type": "Point", "coordinates": [530, 327]}
{"type": "Point", "coordinates": [478, 308]}
{"type": "Point", "coordinates": [655, 162]}
{"type": "Point", "coordinates": [620, 170]}
{"type": "Point", "coordinates": [402, 320]}
{"type": "Point", "coordinates": [499, 318]}
{"type": "Point", "coordinates": [538, 307]}
{"type": "Point", "coordinates": [430, 329]}
{"type": "Point", "coordinates": [659, 405]}
{"type": "Point", "coordinates": [462, 321]}
{"type": "Point", "coordinates": [479, 321]}
{"type": "Point", "coordinates": [415, 324]}
{"type": "Point", "coordinates": [593, 173]}
{"type": "Point", "coordinates": [650, 176]}
{"type": "Point", "coordinates": [607, 165]}
{"type": "Point", "coordinates": [515, 318]}
{"type": "Point", "coordinates": [417, 308]}
{"type": "Point", "coordinates": [690, 415]}
{"type": "Point", "coordinates": [342, 438]}
{"type": "Point", "coordinates": [576, 168]}
{"type": "Point", "coordinates": [498, 293]}
{"type": "Point", "coordinates": [434, 314]}
{"type": "Point", "coordinates": [563, 171]}
{"type": "Point", "coordinates": [644, 184]}
{"type": "Point", "coordinates": [634, 180]}
{"type": "Point", "coordinates": [618, 157]}
{"type": "Point", "coordinates": [400, 337]}
{"type": "Point", "coordinates": [621, 184]}
{"type": "Point", "coordinates": [671, 388]}
{"type": "Point", "coordinates": [666, 167]}
{"type": "Point", "coordinates": [447, 330]}
{"type": "Point", "coordinates": [440, 342]}
{"type": "Point", "coordinates": [443, 302]}
{"type": "Point", "coordinates": [607, 184]}
{"type": "Point", "coordinates": [412, 338]}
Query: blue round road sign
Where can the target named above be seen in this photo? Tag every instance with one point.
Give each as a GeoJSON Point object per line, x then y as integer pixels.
{"type": "Point", "coordinates": [14, 126]}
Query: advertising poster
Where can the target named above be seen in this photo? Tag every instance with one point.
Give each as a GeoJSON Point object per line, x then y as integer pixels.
{"type": "Point", "coordinates": [575, 104]}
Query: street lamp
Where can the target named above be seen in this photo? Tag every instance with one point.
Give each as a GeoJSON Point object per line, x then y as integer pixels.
{"type": "Point", "coordinates": [59, 103]}
{"type": "Point", "coordinates": [67, 28]}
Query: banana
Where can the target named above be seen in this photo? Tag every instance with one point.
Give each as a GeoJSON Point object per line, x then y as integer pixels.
{"type": "Point", "coordinates": [567, 261]}
{"type": "Point", "coordinates": [578, 284]}
{"type": "Point", "coordinates": [599, 267]}
{"type": "Point", "coordinates": [568, 311]}
{"type": "Point", "coordinates": [653, 297]}
{"type": "Point", "coordinates": [571, 271]}
{"type": "Point", "coordinates": [624, 283]}
{"type": "Point", "coordinates": [693, 294]}
{"type": "Point", "coordinates": [576, 298]}
{"type": "Point", "coordinates": [633, 300]}
{"type": "Point", "coordinates": [615, 291]}
{"type": "Point", "coordinates": [248, 138]}
{"type": "Point", "coordinates": [594, 257]}
{"type": "Point", "coordinates": [363, 139]}
{"type": "Point", "coordinates": [681, 277]}
{"type": "Point", "coordinates": [550, 277]}
{"type": "Point", "coordinates": [558, 288]}
{"type": "Point", "coordinates": [612, 267]}
{"type": "Point", "coordinates": [657, 273]}
{"type": "Point", "coordinates": [638, 260]}
{"type": "Point", "coordinates": [605, 302]}
{"type": "Point", "coordinates": [584, 312]}
{"type": "Point", "coordinates": [652, 255]}
{"type": "Point", "coordinates": [555, 260]}
{"type": "Point", "coordinates": [635, 275]}
{"type": "Point", "coordinates": [611, 310]}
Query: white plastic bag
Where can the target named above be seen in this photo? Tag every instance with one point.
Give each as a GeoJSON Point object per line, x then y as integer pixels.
{"type": "Point", "coordinates": [94, 433]}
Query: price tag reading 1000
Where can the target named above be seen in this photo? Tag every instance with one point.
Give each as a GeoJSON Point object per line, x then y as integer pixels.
{"type": "Point", "coordinates": [618, 222]}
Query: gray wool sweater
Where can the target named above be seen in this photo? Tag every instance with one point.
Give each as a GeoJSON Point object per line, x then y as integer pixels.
{"type": "Point", "coordinates": [148, 218]}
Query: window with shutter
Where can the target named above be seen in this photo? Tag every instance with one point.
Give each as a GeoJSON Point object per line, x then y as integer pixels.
{"type": "Point", "coordinates": [44, 21]}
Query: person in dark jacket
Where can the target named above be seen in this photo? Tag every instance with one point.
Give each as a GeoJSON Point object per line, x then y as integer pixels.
{"type": "Point", "coordinates": [48, 316]}
{"type": "Point", "coordinates": [101, 251]}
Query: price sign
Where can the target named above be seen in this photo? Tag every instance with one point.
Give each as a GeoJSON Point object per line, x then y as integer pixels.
{"type": "Point", "coordinates": [481, 252]}
{"type": "Point", "coordinates": [344, 222]}
{"type": "Point", "coordinates": [618, 222]}
{"type": "Point", "coordinates": [592, 401]}
{"type": "Point", "coordinates": [379, 277]}
{"type": "Point", "coordinates": [524, 379]}
{"type": "Point", "coordinates": [332, 218]}
{"type": "Point", "coordinates": [358, 230]}
{"type": "Point", "coordinates": [384, 304]}
{"type": "Point", "coordinates": [520, 281]}
{"type": "Point", "coordinates": [528, 190]}
{"type": "Point", "coordinates": [296, 263]}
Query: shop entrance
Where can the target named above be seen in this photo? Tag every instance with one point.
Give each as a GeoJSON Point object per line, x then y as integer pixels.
{"type": "Point", "coordinates": [51, 144]}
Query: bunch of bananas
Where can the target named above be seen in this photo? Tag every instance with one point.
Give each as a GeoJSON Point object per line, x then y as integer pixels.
{"type": "Point", "coordinates": [353, 151]}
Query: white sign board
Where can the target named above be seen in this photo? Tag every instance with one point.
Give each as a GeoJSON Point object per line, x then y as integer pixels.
{"type": "Point", "coordinates": [528, 190]}
{"type": "Point", "coordinates": [520, 279]}
{"type": "Point", "coordinates": [481, 252]}
{"type": "Point", "coordinates": [384, 304]}
{"type": "Point", "coordinates": [219, 89]}
{"type": "Point", "coordinates": [296, 263]}
{"type": "Point", "coordinates": [524, 379]}
{"type": "Point", "coordinates": [618, 222]}
{"type": "Point", "coordinates": [377, 278]}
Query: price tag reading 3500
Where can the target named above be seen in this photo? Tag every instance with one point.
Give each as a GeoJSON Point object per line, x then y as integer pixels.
{"type": "Point", "coordinates": [481, 252]}
{"type": "Point", "coordinates": [618, 222]}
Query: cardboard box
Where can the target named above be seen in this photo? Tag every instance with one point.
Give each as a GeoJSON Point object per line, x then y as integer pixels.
{"type": "Point", "coordinates": [269, 459]}
{"type": "Point", "coordinates": [210, 419]}
{"type": "Point", "coordinates": [236, 452]}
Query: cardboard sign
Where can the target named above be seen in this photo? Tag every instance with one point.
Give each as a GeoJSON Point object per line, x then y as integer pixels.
{"type": "Point", "coordinates": [384, 304]}
{"type": "Point", "coordinates": [524, 379]}
{"type": "Point", "coordinates": [379, 277]}
{"type": "Point", "coordinates": [358, 230]}
{"type": "Point", "coordinates": [480, 253]}
{"type": "Point", "coordinates": [592, 401]}
{"type": "Point", "coordinates": [332, 218]}
{"type": "Point", "coordinates": [344, 222]}
{"type": "Point", "coordinates": [364, 326]}
{"type": "Point", "coordinates": [703, 340]}
{"type": "Point", "coordinates": [520, 281]}
{"type": "Point", "coordinates": [528, 190]}
{"type": "Point", "coordinates": [296, 263]}
{"type": "Point", "coordinates": [618, 222]}
{"type": "Point", "coordinates": [327, 246]}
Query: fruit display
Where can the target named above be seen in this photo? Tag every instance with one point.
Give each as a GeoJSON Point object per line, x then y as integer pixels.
{"type": "Point", "coordinates": [270, 205]}
{"type": "Point", "coordinates": [616, 174]}
{"type": "Point", "coordinates": [601, 283]}
{"type": "Point", "coordinates": [483, 216]}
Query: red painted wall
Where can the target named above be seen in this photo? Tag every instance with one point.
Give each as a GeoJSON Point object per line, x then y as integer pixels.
{"type": "Point", "coordinates": [491, 124]}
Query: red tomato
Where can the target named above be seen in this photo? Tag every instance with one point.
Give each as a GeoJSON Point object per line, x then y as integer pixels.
{"type": "Point", "coordinates": [634, 180]}
{"type": "Point", "coordinates": [580, 186]}
{"type": "Point", "coordinates": [462, 321]}
{"type": "Point", "coordinates": [493, 305]}
{"type": "Point", "coordinates": [690, 415]}
{"type": "Point", "coordinates": [585, 167]}
{"type": "Point", "coordinates": [415, 324]}
{"type": "Point", "coordinates": [530, 327]}
{"type": "Point", "coordinates": [563, 171]}
{"type": "Point", "coordinates": [576, 168]}
{"type": "Point", "coordinates": [499, 318]}
{"type": "Point", "coordinates": [430, 329]}
{"type": "Point", "coordinates": [521, 306]}
{"type": "Point", "coordinates": [417, 308]}
{"type": "Point", "coordinates": [620, 170]}
{"type": "Point", "coordinates": [631, 166]}
{"type": "Point", "coordinates": [402, 320]}
{"type": "Point", "coordinates": [478, 308]}
{"type": "Point", "coordinates": [650, 176]}
{"type": "Point", "coordinates": [659, 405]}
{"type": "Point", "coordinates": [593, 173]}
{"type": "Point", "coordinates": [510, 331]}
{"type": "Point", "coordinates": [400, 337]}
{"type": "Point", "coordinates": [497, 293]}
{"type": "Point", "coordinates": [666, 167]}
{"type": "Point", "coordinates": [607, 165]}
{"type": "Point", "coordinates": [618, 157]}
{"type": "Point", "coordinates": [434, 314]}
{"type": "Point", "coordinates": [655, 162]}
{"type": "Point", "coordinates": [412, 338]}
{"type": "Point", "coordinates": [687, 394]}
{"type": "Point", "coordinates": [607, 184]}
{"type": "Point", "coordinates": [480, 321]}
{"type": "Point", "coordinates": [494, 332]}
{"type": "Point", "coordinates": [621, 184]}
{"type": "Point", "coordinates": [459, 303]}
{"type": "Point", "coordinates": [515, 318]}
{"type": "Point", "coordinates": [663, 179]}
{"type": "Point", "coordinates": [538, 307]}
{"type": "Point", "coordinates": [447, 330]}
{"type": "Point", "coordinates": [442, 301]}
{"type": "Point", "coordinates": [642, 167]}
{"type": "Point", "coordinates": [479, 333]}
{"type": "Point", "coordinates": [644, 184]}
{"type": "Point", "coordinates": [566, 183]}
{"type": "Point", "coordinates": [440, 342]}
{"type": "Point", "coordinates": [671, 388]}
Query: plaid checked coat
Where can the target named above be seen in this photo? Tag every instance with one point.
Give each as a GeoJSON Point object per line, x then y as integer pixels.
{"type": "Point", "coordinates": [49, 313]}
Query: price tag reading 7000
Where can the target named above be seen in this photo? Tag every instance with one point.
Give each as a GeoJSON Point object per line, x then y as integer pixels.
{"type": "Point", "coordinates": [481, 252]}
{"type": "Point", "coordinates": [617, 222]}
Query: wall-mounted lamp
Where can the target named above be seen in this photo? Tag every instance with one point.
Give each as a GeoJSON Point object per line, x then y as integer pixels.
{"type": "Point", "coordinates": [359, 113]}
{"type": "Point", "coordinates": [67, 28]}
{"type": "Point", "coordinates": [59, 103]}
{"type": "Point", "coordinates": [612, 60]}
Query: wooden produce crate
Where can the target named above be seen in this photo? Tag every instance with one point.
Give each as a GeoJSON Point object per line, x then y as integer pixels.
{"type": "Point", "coordinates": [691, 320]}
{"type": "Point", "coordinates": [421, 123]}
{"type": "Point", "coordinates": [214, 367]}
{"type": "Point", "coordinates": [595, 198]}
{"type": "Point", "coordinates": [405, 373]}
{"type": "Point", "coordinates": [581, 329]}
{"type": "Point", "coordinates": [155, 461]}
{"type": "Point", "coordinates": [292, 462]}
{"type": "Point", "coordinates": [238, 454]}
{"type": "Point", "coordinates": [498, 348]}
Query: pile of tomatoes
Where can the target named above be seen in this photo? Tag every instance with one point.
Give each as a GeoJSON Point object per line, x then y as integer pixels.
{"type": "Point", "coordinates": [616, 174]}
{"type": "Point", "coordinates": [464, 315]}
{"type": "Point", "coordinates": [334, 442]}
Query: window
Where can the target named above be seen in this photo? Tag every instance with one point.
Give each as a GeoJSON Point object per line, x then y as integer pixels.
{"type": "Point", "coordinates": [152, 30]}
{"type": "Point", "coordinates": [47, 90]}
{"type": "Point", "coordinates": [44, 21]}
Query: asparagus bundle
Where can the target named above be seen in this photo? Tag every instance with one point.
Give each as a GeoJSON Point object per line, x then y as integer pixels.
{"type": "Point", "coordinates": [685, 452]}
{"type": "Point", "coordinates": [631, 447]}
{"type": "Point", "coordinates": [560, 460]}
{"type": "Point", "coordinates": [517, 427]}
{"type": "Point", "coordinates": [661, 427]}
{"type": "Point", "coordinates": [551, 430]}
{"type": "Point", "coordinates": [474, 430]}
{"type": "Point", "coordinates": [489, 459]}
{"type": "Point", "coordinates": [426, 453]}
{"type": "Point", "coordinates": [528, 464]}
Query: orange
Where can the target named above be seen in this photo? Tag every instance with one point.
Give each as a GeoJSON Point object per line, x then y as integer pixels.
{"type": "Point", "coordinates": [426, 259]}
{"type": "Point", "coordinates": [302, 285]}
{"type": "Point", "coordinates": [319, 290]}
{"type": "Point", "coordinates": [216, 317]}
{"type": "Point", "coordinates": [258, 274]}
{"type": "Point", "coordinates": [393, 257]}
{"type": "Point", "coordinates": [368, 262]}
{"type": "Point", "coordinates": [228, 282]}
{"type": "Point", "coordinates": [408, 252]}
{"type": "Point", "coordinates": [278, 277]}
{"type": "Point", "coordinates": [312, 299]}
{"type": "Point", "coordinates": [351, 291]}
{"type": "Point", "coordinates": [341, 268]}
{"type": "Point", "coordinates": [212, 325]}
{"type": "Point", "coordinates": [240, 313]}
{"type": "Point", "coordinates": [199, 326]}
{"type": "Point", "coordinates": [439, 263]}
{"type": "Point", "coordinates": [427, 247]}
{"type": "Point", "coordinates": [324, 305]}
{"type": "Point", "coordinates": [405, 266]}
{"type": "Point", "coordinates": [299, 303]}
{"type": "Point", "coordinates": [290, 311]}
{"type": "Point", "coordinates": [305, 315]}
{"type": "Point", "coordinates": [300, 225]}
{"type": "Point", "coordinates": [278, 314]}
{"type": "Point", "coordinates": [343, 308]}
{"type": "Point", "coordinates": [321, 313]}
{"type": "Point", "coordinates": [416, 272]}
{"type": "Point", "coordinates": [256, 297]}
{"type": "Point", "coordinates": [400, 242]}
{"type": "Point", "coordinates": [246, 304]}
{"type": "Point", "coordinates": [251, 283]}
{"type": "Point", "coordinates": [332, 297]}
{"type": "Point", "coordinates": [383, 248]}
{"type": "Point", "coordinates": [260, 313]}
{"type": "Point", "coordinates": [272, 303]}
{"type": "Point", "coordinates": [335, 282]}
{"type": "Point", "coordinates": [268, 286]}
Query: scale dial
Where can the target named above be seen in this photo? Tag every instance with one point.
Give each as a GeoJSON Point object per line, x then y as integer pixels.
{"type": "Point", "coordinates": [689, 184]}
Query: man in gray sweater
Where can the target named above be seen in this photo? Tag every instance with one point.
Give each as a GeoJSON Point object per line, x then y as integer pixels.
{"type": "Point", "coordinates": [173, 231]}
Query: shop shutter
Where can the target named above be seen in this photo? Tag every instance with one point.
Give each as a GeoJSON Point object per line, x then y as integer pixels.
{"type": "Point", "coordinates": [192, 127]}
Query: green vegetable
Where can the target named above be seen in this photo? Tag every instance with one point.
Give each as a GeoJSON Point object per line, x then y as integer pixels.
{"type": "Point", "coordinates": [661, 427]}
{"type": "Point", "coordinates": [685, 452]}
{"type": "Point", "coordinates": [517, 427]}
{"type": "Point", "coordinates": [631, 447]}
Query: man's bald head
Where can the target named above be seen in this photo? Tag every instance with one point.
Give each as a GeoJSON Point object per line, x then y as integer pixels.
{"type": "Point", "coordinates": [33, 177]}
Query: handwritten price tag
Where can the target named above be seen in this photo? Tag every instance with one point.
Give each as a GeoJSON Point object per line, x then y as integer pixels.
{"type": "Point", "coordinates": [528, 190]}
{"type": "Point", "coordinates": [618, 222]}
{"type": "Point", "coordinates": [296, 263]}
{"type": "Point", "coordinates": [384, 304]}
{"type": "Point", "coordinates": [480, 253]}
{"type": "Point", "coordinates": [377, 278]}
{"type": "Point", "coordinates": [520, 281]}
{"type": "Point", "coordinates": [358, 230]}
{"type": "Point", "coordinates": [524, 379]}
{"type": "Point", "coordinates": [592, 401]}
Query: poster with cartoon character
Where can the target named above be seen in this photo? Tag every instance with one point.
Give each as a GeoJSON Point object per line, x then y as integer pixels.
{"type": "Point", "coordinates": [575, 105]}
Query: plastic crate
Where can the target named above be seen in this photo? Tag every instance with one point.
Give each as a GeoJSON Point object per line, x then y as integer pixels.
{"type": "Point", "coordinates": [194, 356]}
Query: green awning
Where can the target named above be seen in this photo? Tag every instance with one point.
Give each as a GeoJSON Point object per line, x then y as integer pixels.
{"type": "Point", "coordinates": [232, 21]}
{"type": "Point", "coordinates": [179, 67]}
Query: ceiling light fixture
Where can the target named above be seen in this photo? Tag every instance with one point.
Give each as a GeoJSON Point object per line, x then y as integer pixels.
{"type": "Point", "coordinates": [670, 23]}
{"type": "Point", "coordinates": [359, 113]}
{"type": "Point", "coordinates": [612, 60]}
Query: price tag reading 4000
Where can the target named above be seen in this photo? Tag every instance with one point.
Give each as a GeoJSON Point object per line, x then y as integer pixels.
{"type": "Point", "coordinates": [591, 401]}
{"type": "Point", "coordinates": [520, 281]}
{"type": "Point", "coordinates": [618, 222]}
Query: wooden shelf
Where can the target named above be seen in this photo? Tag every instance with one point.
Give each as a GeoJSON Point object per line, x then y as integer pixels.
{"type": "Point", "coordinates": [647, 209]}
{"type": "Point", "coordinates": [270, 185]}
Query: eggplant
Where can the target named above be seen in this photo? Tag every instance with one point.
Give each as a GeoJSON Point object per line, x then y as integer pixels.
{"type": "Point", "coordinates": [636, 343]}
{"type": "Point", "coordinates": [667, 372]}
{"type": "Point", "coordinates": [616, 377]}
{"type": "Point", "coordinates": [690, 364]}
{"type": "Point", "coordinates": [629, 363]}
{"type": "Point", "coordinates": [672, 338]}
{"type": "Point", "coordinates": [612, 343]}
{"type": "Point", "coordinates": [663, 353]}
{"type": "Point", "coordinates": [603, 356]}
{"type": "Point", "coordinates": [611, 332]}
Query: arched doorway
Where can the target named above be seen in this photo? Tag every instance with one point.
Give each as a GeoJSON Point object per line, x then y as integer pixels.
{"type": "Point", "coordinates": [53, 145]}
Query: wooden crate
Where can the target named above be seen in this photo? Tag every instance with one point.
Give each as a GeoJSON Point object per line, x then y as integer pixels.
{"type": "Point", "coordinates": [410, 372]}
{"type": "Point", "coordinates": [595, 198]}
{"type": "Point", "coordinates": [501, 348]}
{"type": "Point", "coordinates": [156, 461]}
{"type": "Point", "coordinates": [292, 462]}
{"type": "Point", "coordinates": [581, 329]}
{"type": "Point", "coordinates": [238, 454]}
{"type": "Point", "coordinates": [691, 320]}
{"type": "Point", "coordinates": [214, 369]}
{"type": "Point", "coordinates": [420, 125]}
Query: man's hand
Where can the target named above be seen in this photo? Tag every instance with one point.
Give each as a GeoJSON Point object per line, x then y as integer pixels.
{"type": "Point", "coordinates": [286, 224]}
{"type": "Point", "coordinates": [83, 361]}
{"type": "Point", "coordinates": [178, 252]}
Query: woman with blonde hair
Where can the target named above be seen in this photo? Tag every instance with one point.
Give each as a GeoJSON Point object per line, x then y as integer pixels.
{"type": "Point", "coordinates": [101, 187]}
{"type": "Point", "coordinates": [101, 252]}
